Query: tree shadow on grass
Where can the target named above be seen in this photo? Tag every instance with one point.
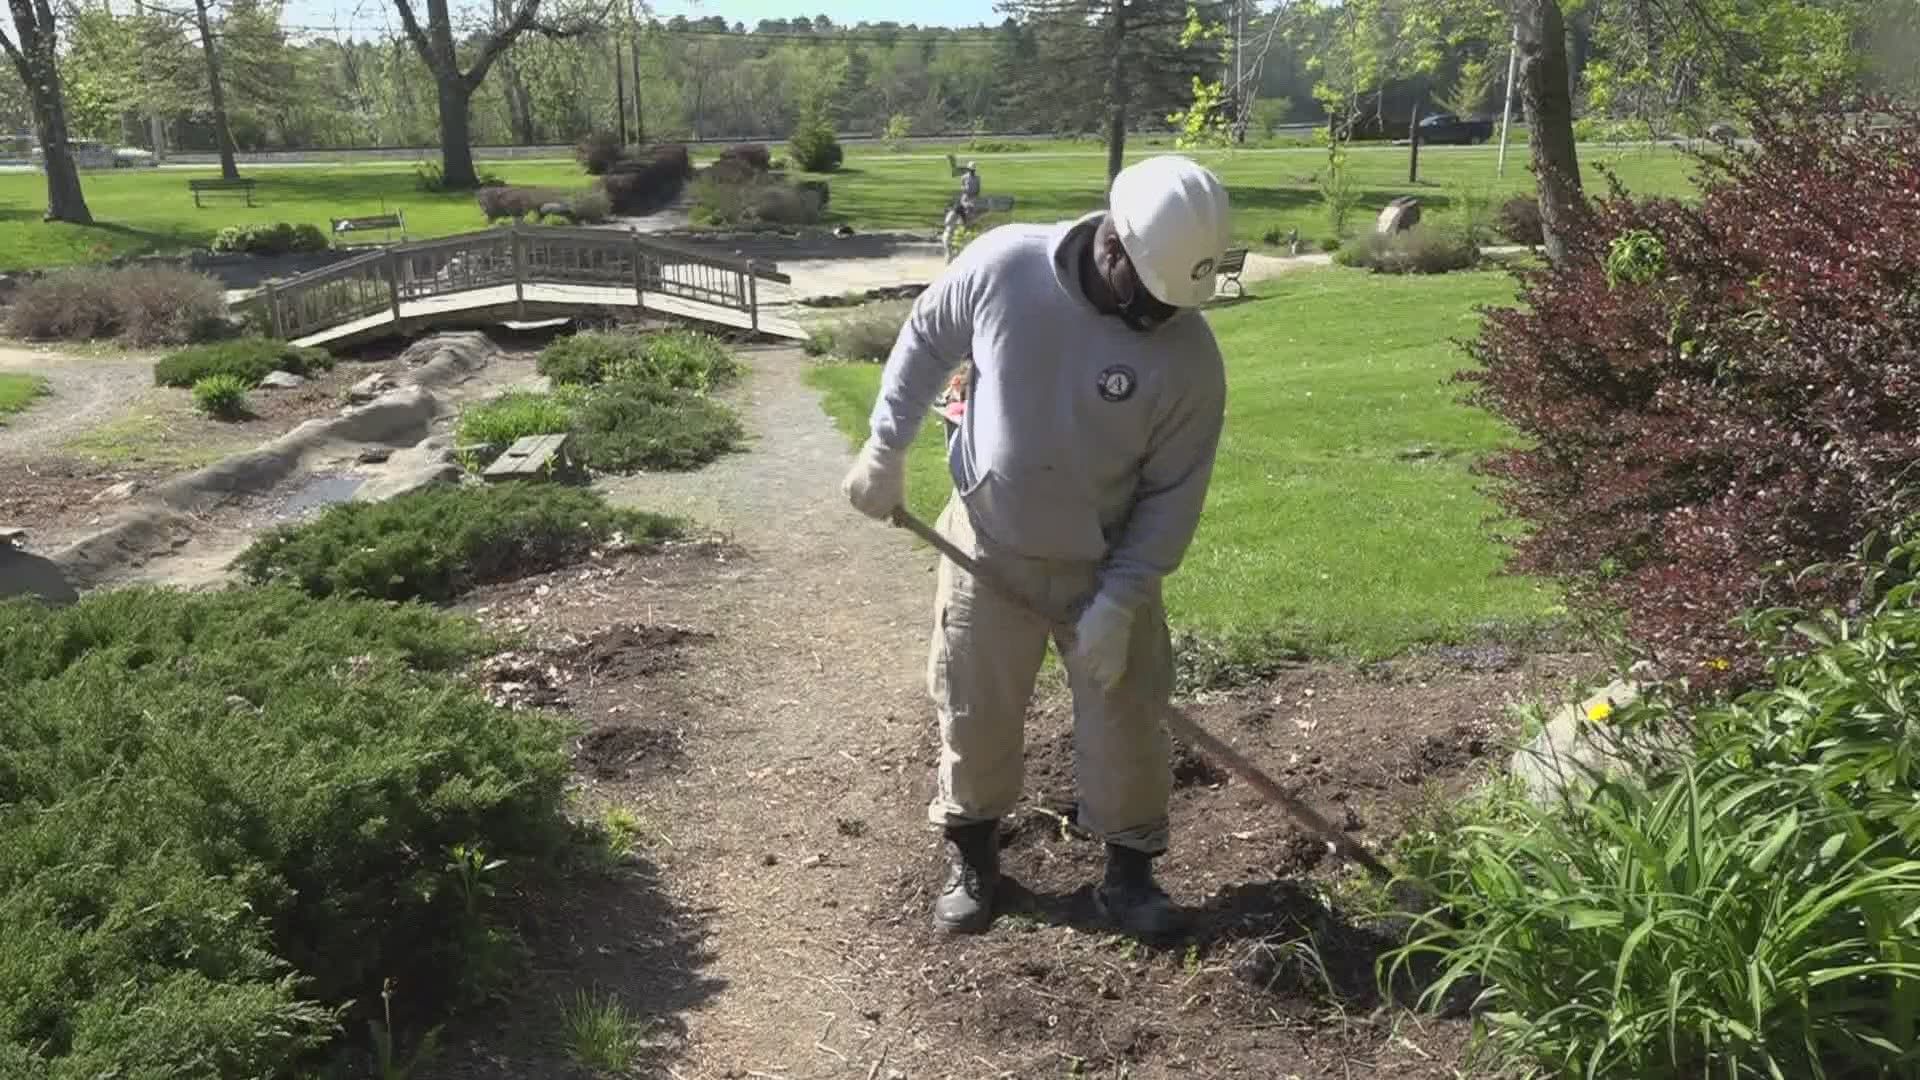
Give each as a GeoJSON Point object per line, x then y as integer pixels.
{"type": "Point", "coordinates": [614, 937]}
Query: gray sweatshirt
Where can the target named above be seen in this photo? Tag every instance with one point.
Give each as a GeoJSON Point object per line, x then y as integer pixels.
{"type": "Point", "coordinates": [1082, 440]}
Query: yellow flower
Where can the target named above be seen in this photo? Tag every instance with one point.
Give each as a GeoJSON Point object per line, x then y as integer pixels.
{"type": "Point", "coordinates": [1719, 663]}
{"type": "Point", "coordinates": [1599, 711]}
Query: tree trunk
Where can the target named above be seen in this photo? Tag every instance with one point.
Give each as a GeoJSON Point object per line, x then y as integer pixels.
{"type": "Point", "coordinates": [216, 93]}
{"type": "Point", "coordinates": [1544, 93]}
{"type": "Point", "coordinates": [1413, 146]}
{"type": "Point", "coordinates": [456, 152]}
{"type": "Point", "coordinates": [639, 121]}
{"type": "Point", "coordinates": [620, 89]}
{"type": "Point", "coordinates": [34, 60]}
{"type": "Point", "coordinates": [1116, 90]}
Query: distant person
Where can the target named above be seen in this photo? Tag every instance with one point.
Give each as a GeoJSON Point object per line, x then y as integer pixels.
{"type": "Point", "coordinates": [963, 209]}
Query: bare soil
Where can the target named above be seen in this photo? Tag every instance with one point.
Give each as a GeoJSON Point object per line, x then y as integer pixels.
{"type": "Point", "coordinates": [758, 704]}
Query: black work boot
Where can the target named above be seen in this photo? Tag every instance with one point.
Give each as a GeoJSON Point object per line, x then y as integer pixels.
{"type": "Point", "coordinates": [965, 904]}
{"type": "Point", "coordinates": [1130, 900]}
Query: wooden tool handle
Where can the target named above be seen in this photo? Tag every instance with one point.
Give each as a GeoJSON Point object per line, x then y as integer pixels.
{"type": "Point", "coordinates": [1178, 721]}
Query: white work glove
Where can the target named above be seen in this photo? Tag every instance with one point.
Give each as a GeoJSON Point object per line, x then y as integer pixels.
{"type": "Point", "coordinates": [1100, 641]}
{"type": "Point", "coordinates": [877, 483]}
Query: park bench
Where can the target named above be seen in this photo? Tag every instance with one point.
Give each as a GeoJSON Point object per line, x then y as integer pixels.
{"type": "Point", "coordinates": [1230, 267]}
{"type": "Point", "coordinates": [221, 186]}
{"type": "Point", "coordinates": [386, 222]}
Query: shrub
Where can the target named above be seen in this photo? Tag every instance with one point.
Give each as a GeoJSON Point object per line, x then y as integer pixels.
{"type": "Point", "coordinates": [516, 414]}
{"type": "Point", "coordinates": [248, 359]}
{"type": "Point", "coordinates": [680, 359]}
{"type": "Point", "coordinates": [766, 200]}
{"type": "Point", "coordinates": [1751, 402]}
{"type": "Point", "coordinates": [279, 238]}
{"type": "Point", "coordinates": [141, 306]}
{"type": "Point", "coordinates": [1423, 249]}
{"type": "Point", "coordinates": [437, 543]}
{"type": "Point", "coordinates": [644, 185]}
{"type": "Point", "coordinates": [752, 155]}
{"type": "Point", "coordinates": [867, 334]}
{"type": "Point", "coordinates": [506, 201]}
{"type": "Point", "coordinates": [1519, 221]}
{"type": "Point", "coordinates": [633, 425]}
{"type": "Point", "coordinates": [590, 207]}
{"type": "Point", "coordinates": [1744, 911]}
{"type": "Point", "coordinates": [813, 146]}
{"type": "Point", "coordinates": [598, 152]}
{"type": "Point", "coordinates": [223, 397]}
{"type": "Point", "coordinates": [227, 814]}
{"type": "Point", "coordinates": [899, 130]}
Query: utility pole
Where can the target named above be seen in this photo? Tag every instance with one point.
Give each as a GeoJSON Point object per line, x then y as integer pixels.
{"type": "Point", "coordinates": [1239, 80]}
{"type": "Point", "coordinates": [155, 129]}
{"type": "Point", "coordinates": [1506, 113]}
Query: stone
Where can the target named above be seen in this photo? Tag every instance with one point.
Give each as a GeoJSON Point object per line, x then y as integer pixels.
{"type": "Point", "coordinates": [282, 380]}
{"type": "Point", "coordinates": [1399, 215]}
{"type": "Point", "coordinates": [554, 209]}
{"type": "Point", "coordinates": [1580, 742]}
{"type": "Point", "coordinates": [23, 573]}
{"type": "Point", "coordinates": [422, 465]}
{"type": "Point", "coordinates": [374, 455]}
{"type": "Point", "coordinates": [369, 388]}
{"type": "Point", "coordinates": [120, 492]}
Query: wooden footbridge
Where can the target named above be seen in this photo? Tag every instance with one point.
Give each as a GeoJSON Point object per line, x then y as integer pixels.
{"type": "Point", "coordinates": [514, 275]}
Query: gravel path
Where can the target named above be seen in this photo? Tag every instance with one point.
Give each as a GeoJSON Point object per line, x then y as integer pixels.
{"type": "Point", "coordinates": [86, 392]}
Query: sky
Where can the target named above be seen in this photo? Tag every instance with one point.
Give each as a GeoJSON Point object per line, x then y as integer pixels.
{"type": "Point", "coordinates": [374, 13]}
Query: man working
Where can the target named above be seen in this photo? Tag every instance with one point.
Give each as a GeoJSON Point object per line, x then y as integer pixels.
{"type": "Point", "coordinates": [1095, 404]}
{"type": "Point", "coordinates": [962, 209]}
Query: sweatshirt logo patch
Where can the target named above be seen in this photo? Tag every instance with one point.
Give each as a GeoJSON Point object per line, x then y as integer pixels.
{"type": "Point", "coordinates": [1117, 383]}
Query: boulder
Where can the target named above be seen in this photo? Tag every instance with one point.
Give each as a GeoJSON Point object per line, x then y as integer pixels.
{"type": "Point", "coordinates": [1580, 743]}
{"type": "Point", "coordinates": [282, 380]}
{"type": "Point", "coordinates": [369, 388]}
{"type": "Point", "coordinates": [430, 461]}
{"type": "Point", "coordinates": [25, 574]}
{"type": "Point", "coordinates": [1399, 215]}
{"type": "Point", "coordinates": [120, 492]}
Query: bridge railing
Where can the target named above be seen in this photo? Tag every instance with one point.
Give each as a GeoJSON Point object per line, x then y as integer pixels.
{"type": "Point", "coordinates": [515, 257]}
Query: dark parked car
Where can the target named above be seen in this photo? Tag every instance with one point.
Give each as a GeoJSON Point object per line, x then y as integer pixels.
{"type": "Point", "coordinates": [1445, 128]}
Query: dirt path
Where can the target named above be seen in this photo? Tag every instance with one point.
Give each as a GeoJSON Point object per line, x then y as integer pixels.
{"type": "Point", "coordinates": [812, 693]}
{"type": "Point", "coordinates": [86, 392]}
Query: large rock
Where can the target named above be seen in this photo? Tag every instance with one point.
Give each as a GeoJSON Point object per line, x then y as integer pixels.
{"type": "Point", "coordinates": [25, 574]}
{"type": "Point", "coordinates": [1581, 742]}
{"type": "Point", "coordinates": [282, 380]}
{"type": "Point", "coordinates": [429, 462]}
{"type": "Point", "coordinates": [120, 492]}
{"type": "Point", "coordinates": [369, 388]}
{"type": "Point", "coordinates": [448, 359]}
{"type": "Point", "coordinates": [1399, 215]}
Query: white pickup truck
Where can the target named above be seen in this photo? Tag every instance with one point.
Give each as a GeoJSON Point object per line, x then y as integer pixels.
{"type": "Point", "coordinates": [92, 154]}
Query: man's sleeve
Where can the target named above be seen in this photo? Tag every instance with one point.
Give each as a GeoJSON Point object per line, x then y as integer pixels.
{"type": "Point", "coordinates": [937, 337]}
{"type": "Point", "coordinates": [1173, 488]}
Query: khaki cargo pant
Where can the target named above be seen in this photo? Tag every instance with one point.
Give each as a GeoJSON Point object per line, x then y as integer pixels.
{"type": "Point", "coordinates": [987, 652]}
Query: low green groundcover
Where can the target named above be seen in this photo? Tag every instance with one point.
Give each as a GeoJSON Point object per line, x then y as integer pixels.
{"type": "Point", "coordinates": [225, 816]}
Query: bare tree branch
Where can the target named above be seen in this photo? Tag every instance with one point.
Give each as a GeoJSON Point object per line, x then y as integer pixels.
{"type": "Point", "coordinates": [412, 26]}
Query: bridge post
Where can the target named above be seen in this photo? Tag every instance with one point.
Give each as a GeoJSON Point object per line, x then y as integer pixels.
{"type": "Point", "coordinates": [753, 298]}
{"type": "Point", "coordinates": [519, 272]}
{"type": "Point", "coordinates": [393, 282]}
{"type": "Point", "coordinates": [639, 274]}
{"type": "Point", "coordinates": [273, 311]}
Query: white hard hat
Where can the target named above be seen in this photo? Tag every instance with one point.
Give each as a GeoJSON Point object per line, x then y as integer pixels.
{"type": "Point", "coordinates": [972, 165]}
{"type": "Point", "coordinates": [1172, 217]}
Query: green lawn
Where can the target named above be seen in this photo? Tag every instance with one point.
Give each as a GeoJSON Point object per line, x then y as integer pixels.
{"type": "Point", "coordinates": [1271, 189]}
{"type": "Point", "coordinates": [150, 210]}
{"type": "Point", "coordinates": [1342, 520]}
{"type": "Point", "coordinates": [17, 392]}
